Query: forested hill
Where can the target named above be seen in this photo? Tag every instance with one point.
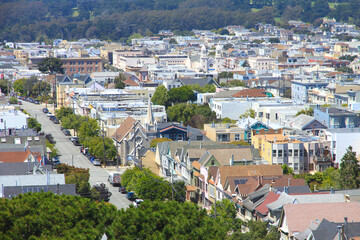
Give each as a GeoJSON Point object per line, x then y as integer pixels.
{"type": "Point", "coordinates": [26, 20]}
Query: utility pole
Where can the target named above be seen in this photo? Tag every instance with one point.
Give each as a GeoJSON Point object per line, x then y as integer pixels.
{"type": "Point", "coordinates": [172, 182]}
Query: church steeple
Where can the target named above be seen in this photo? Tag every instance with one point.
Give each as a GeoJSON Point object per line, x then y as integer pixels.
{"type": "Point", "coordinates": [149, 116]}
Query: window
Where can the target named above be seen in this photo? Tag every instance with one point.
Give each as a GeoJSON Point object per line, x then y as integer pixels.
{"type": "Point", "coordinates": [274, 153]}
{"type": "Point", "coordinates": [29, 138]}
{"type": "Point", "coordinates": [296, 153]}
{"type": "Point", "coordinates": [280, 154]}
{"type": "Point", "coordinates": [311, 153]}
{"type": "Point", "coordinates": [290, 152]}
{"type": "Point", "coordinates": [199, 138]}
{"type": "Point", "coordinates": [17, 140]}
{"type": "Point", "coordinates": [3, 139]}
{"type": "Point", "coordinates": [296, 166]}
{"type": "Point", "coordinates": [237, 137]}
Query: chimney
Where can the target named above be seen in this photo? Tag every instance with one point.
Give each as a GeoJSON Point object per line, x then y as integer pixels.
{"type": "Point", "coordinates": [339, 232]}
{"type": "Point", "coordinates": [232, 160]}
{"type": "Point", "coordinates": [346, 226]}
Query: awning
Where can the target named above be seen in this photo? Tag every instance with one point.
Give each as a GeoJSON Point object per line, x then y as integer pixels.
{"type": "Point", "coordinates": [191, 188]}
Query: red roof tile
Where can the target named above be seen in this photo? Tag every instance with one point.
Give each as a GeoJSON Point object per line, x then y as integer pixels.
{"type": "Point", "coordinates": [271, 197]}
{"type": "Point", "coordinates": [250, 93]}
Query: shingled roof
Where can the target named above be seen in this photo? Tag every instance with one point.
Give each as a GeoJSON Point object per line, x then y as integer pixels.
{"type": "Point", "coordinates": [250, 93]}
{"type": "Point", "coordinates": [124, 128]}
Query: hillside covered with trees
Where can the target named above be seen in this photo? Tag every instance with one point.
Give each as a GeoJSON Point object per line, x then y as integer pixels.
{"type": "Point", "coordinates": [43, 20]}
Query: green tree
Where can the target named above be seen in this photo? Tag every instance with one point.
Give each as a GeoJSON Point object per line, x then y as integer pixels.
{"type": "Point", "coordinates": [51, 65]}
{"type": "Point", "coordinates": [226, 75]}
{"type": "Point", "coordinates": [208, 88]}
{"type": "Point", "coordinates": [134, 36]}
{"type": "Point", "coordinates": [160, 96]}
{"type": "Point", "coordinates": [286, 169]}
{"type": "Point", "coordinates": [248, 113]}
{"type": "Point", "coordinates": [344, 69]}
{"type": "Point", "coordinates": [13, 100]}
{"type": "Point", "coordinates": [34, 124]}
{"type": "Point", "coordinates": [274, 40]}
{"type": "Point", "coordinates": [165, 220]}
{"type": "Point", "coordinates": [78, 176]}
{"type": "Point", "coordinates": [241, 143]}
{"type": "Point", "coordinates": [63, 112]}
{"type": "Point", "coordinates": [308, 111]}
{"type": "Point", "coordinates": [45, 215]}
{"type": "Point", "coordinates": [349, 170]}
{"type": "Point", "coordinates": [181, 94]}
{"type": "Point", "coordinates": [155, 141]}
{"type": "Point", "coordinates": [19, 85]}
{"type": "Point", "coordinates": [4, 84]}
{"type": "Point", "coordinates": [225, 212]}
{"type": "Point", "coordinates": [89, 128]}
{"type": "Point", "coordinates": [40, 88]}
{"type": "Point", "coordinates": [96, 146]}
{"type": "Point", "coordinates": [54, 151]}
{"type": "Point", "coordinates": [120, 81]}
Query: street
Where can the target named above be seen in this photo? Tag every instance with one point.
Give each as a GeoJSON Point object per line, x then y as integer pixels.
{"type": "Point", "coordinates": [70, 154]}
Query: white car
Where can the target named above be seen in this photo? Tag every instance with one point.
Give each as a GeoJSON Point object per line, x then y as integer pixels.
{"type": "Point", "coordinates": [137, 202]}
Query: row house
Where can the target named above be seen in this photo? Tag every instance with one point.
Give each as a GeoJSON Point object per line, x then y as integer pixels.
{"type": "Point", "coordinates": [302, 153]}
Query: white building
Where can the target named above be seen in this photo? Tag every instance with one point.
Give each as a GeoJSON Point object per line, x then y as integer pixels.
{"type": "Point", "coordinates": [341, 139]}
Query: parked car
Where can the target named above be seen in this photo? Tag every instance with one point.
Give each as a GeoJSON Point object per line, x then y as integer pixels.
{"type": "Point", "coordinates": [45, 110]}
{"type": "Point", "coordinates": [66, 132]}
{"type": "Point", "coordinates": [74, 139]}
{"type": "Point", "coordinates": [96, 162]}
{"type": "Point", "coordinates": [55, 120]}
{"type": "Point", "coordinates": [131, 196]}
{"type": "Point", "coordinates": [114, 179]}
{"type": "Point", "coordinates": [50, 138]}
{"type": "Point", "coordinates": [19, 102]}
{"type": "Point", "coordinates": [55, 161]}
{"type": "Point", "coordinates": [76, 143]}
{"type": "Point", "coordinates": [122, 189]}
{"type": "Point", "coordinates": [137, 202]}
{"type": "Point", "coordinates": [36, 102]}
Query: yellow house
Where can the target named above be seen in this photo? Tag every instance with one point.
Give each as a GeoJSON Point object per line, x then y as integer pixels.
{"type": "Point", "coordinates": [341, 48]}
{"type": "Point", "coordinates": [224, 132]}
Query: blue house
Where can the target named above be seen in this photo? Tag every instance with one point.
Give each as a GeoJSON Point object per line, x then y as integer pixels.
{"type": "Point", "coordinates": [299, 89]}
{"type": "Point", "coordinates": [336, 117]}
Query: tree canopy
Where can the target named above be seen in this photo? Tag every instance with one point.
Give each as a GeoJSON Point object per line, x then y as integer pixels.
{"type": "Point", "coordinates": [51, 65]}
{"type": "Point", "coordinates": [349, 170]}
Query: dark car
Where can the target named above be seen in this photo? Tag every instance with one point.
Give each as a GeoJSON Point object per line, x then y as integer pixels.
{"type": "Point", "coordinates": [131, 196]}
{"type": "Point", "coordinates": [19, 102]}
{"type": "Point", "coordinates": [76, 143]}
{"type": "Point", "coordinates": [55, 120]}
{"type": "Point", "coordinates": [122, 189]}
{"type": "Point", "coordinates": [66, 132]}
{"type": "Point", "coordinates": [36, 102]}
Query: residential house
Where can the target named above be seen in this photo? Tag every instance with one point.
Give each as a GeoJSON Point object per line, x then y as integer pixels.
{"type": "Point", "coordinates": [306, 123]}
{"type": "Point", "coordinates": [300, 89]}
{"type": "Point", "coordinates": [336, 117]}
{"type": "Point", "coordinates": [296, 218]}
{"type": "Point", "coordinates": [301, 153]}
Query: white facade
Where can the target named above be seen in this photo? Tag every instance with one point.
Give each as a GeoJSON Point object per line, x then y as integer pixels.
{"type": "Point", "coordinates": [341, 139]}
{"type": "Point", "coordinates": [13, 119]}
{"type": "Point", "coordinates": [229, 108]}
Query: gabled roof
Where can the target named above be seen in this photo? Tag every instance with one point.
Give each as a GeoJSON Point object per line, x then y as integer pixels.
{"type": "Point", "coordinates": [299, 216]}
{"type": "Point", "coordinates": [201, 81]}
{"type": "Point", "coordinates": [250, 93]}
{"type": "Point", "coordinates": [302, 121]}
{"type": "Point", "coordinates": [262, 208]}
{"type": "Point", "coordinates": [124, 128]}
{"type": "Point", "coordinates": [7, 157]}
{"type": "Point", "coordinates": [249, 171]}
{"type": "Point", "coordinates": [178, 127]}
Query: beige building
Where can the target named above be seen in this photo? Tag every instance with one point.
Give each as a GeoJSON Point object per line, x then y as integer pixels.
{"type": "Point", "coordinates": [224, 132]}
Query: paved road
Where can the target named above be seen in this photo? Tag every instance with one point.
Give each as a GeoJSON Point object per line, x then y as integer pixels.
{"type": "Point", "coordinates": [71, 155]}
